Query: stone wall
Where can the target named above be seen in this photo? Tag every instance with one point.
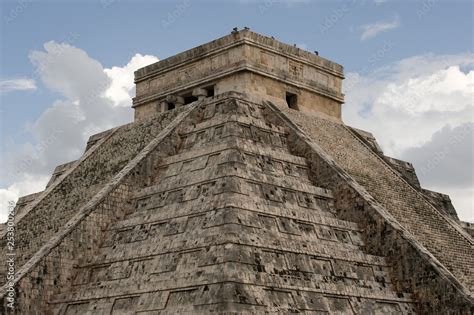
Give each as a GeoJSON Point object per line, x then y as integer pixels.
{"type": "Point", "coordinates": [368, 139]}
{"type": "Point", "coordinates": [52, 266]}
{"type": "Point", "coordinates": [441, 202]}
{"type": "Point", "coordinates": [232, 222]}
{"type": "Point", "coordinates": [406, 170]}
{"type": "Point", "coordinates": [415, 268]}
{"type": "Point", "coordinates": [317, 81]}
{"type": "Point", "coordinates": [469, 227]}
{"type": "Point", "coordinates": [408, 206]}
{"type": "Point", "coordinates": [50, 212]}
{"type": "Point", "coordinates": [231, 207]}
{"type": "Point", "coordinates": [55, 270]}
{"type": "Point", "coordinates": [58, 171]}
{"type": "Point", "coordinates": [265, 88]}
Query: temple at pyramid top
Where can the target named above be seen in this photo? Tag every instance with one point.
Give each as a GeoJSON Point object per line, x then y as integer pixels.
{"type": "Point", "coordinates": [238, 189]}
{"type": "Point", "coordinates": [242, 61]}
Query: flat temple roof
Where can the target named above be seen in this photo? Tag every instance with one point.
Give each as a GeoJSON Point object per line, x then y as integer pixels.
{"type": "Point", "coordinates": [234, 39]}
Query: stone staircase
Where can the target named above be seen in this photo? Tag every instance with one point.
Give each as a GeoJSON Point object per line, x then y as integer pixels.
{"type": "Point", "coordinates": [441, 236]}
{"type": "Point", "coordinates": [52, 209]}
{"type": "Point", "coordinates": [233, 222]}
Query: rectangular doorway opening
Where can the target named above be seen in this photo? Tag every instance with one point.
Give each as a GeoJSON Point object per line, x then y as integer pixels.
{"type": "Point", "coordinates": [210, 91]}
{"type": "Point", "coordinates": [189, 99]}
{"type": "Point", "coordinates": [292, 100]}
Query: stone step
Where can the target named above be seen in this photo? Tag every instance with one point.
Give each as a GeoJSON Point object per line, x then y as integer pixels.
{"type": "Point", "coordinates": [50, 212]}
{"type": "Point", "coordinates": [229, 272]}
{"type": "Point", "coordinates": [238, 174]}
{"type": "Point", "coordinates": [259, 206]}
{"type": "Point", "coordinates": [282, 227]}
{"type": "Point", "coordinates": [232, 119]}
{"type": "Point", "coordinates": [254, 158]}
{"type": "Point", "coordinates": [210, 132]}
{"type": "Point", "coordinates": [244, 146]}
{"type": "Point", "coordinates": [264, 192]}
{"type": "Point", "coordinates": [218, 297]}
{"type": "Point", "coordinates": [441, 237]}
{"type": "Point", "coordinates": [164, 238]}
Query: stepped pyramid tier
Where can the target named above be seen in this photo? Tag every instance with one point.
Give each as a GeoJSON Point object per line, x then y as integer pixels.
{"type": "Point", "coordinates": [238, 189]}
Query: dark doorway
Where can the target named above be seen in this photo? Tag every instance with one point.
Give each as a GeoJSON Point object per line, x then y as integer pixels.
{"type": "Point", "coordinates": [189, 99]}
{"type": "Point", "coordinates": [210, 91]}
{"type": "Point", "coordinates": [292, 100]}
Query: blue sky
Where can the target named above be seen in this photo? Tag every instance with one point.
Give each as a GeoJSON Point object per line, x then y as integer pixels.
{"type": "Point", "coordinates": [391, 50]}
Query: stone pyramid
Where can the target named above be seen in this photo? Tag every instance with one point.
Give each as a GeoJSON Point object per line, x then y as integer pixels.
{"type": "Point", "coordinates": [238, 190]}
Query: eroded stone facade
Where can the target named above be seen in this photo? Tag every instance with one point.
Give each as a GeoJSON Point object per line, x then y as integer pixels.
{"type": "Point", "coordinates": [243, 62]}
{"type": "Point", "coordinates": [225, 200]}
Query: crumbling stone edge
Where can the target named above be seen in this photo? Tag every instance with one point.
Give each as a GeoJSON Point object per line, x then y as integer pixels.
{"type": "Point", "coordinates": [59, 180]}
{"type": "Point", "coordinates": [110, 196]}
{"type": "Point", "coordinates": [456, 226]}
{"type": "Point", "coordinates": [434, 287]}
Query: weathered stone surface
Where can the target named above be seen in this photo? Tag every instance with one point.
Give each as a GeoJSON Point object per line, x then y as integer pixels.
{"type": "Point", "coordinates": [469, 227]}
{"type": "Point", "coordinates": [406, 170]}
{"type": "Point", "coordinates": [441, 202]}
{"type": "Point", "coordinates": [45, 216]}
{"type": "Point", "coordinates": [403, 202]}
{"type": "Point", "coordinates": [232, 204]}
{"type": "Point", "coordinates": [244, 62]}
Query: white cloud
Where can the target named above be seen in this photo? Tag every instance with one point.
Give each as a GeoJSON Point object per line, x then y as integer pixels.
{"type": "Point", "coordinates": [17, 85]}
{"type": "Point", "coordinates": [93, 99]}
{"type": "Point", "coordinates": [379, 2]}
{"type": "Point", "coordinates": [372, 30]}
{"type": "Point", "coordinates": [445, 163]}
{"type": "Point", "coordinates": [28, 185]}
{"type": "Point", "coordinates": [414, 107]}
{"type": "Point", "coordinates": [445, 158]}
{"type": "Point", "coordinates": [122, 86]}
{"type": "Point", "coordinates": [445, 90]}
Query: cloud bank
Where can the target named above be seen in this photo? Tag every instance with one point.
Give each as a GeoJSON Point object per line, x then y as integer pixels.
{"type": "Point", "coordinates": [421, 110]}
{"type": "Point", "coordinates": [93, 99]}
